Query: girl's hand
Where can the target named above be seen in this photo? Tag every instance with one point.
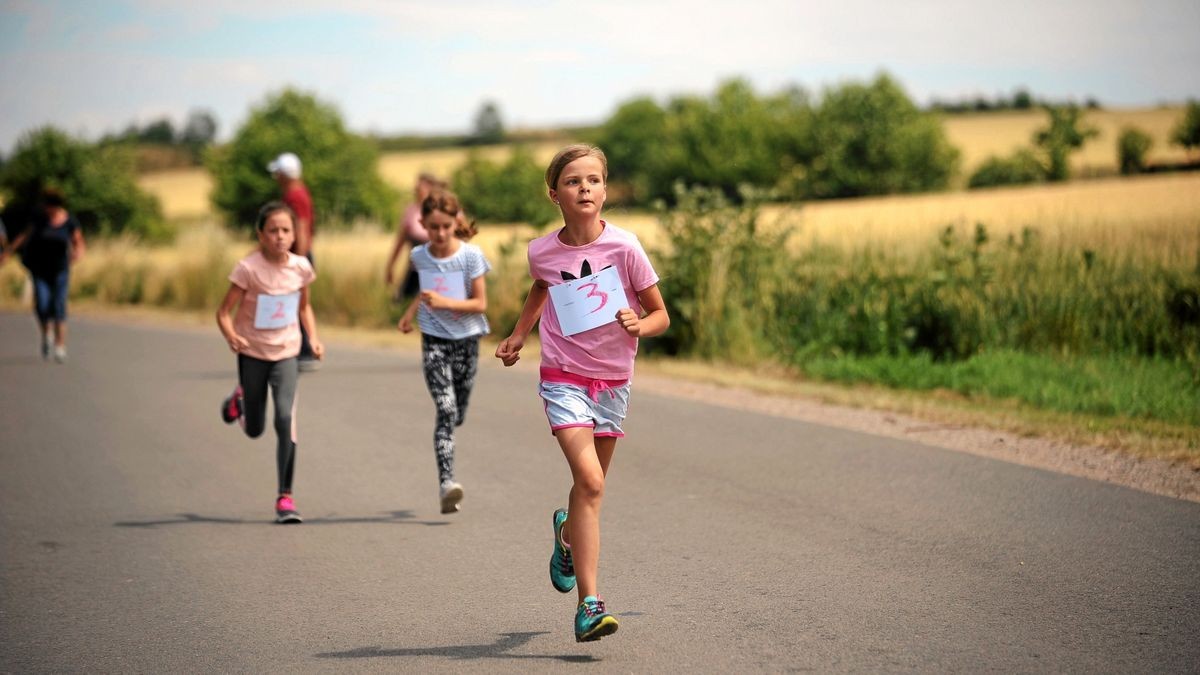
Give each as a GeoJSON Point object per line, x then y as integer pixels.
{"type": "Point", "coordinates": [435, 300]}
{"type": "Point", "coordinates": [630, 322]}
{"type": "Point", "coordinates": [405, 324]}
{"type": "Point", "coordinates": [238, 344]}
{"type": "Point", "coordinates": [318, 347]}
{"type": "Point", "coordinates": [509, 350]}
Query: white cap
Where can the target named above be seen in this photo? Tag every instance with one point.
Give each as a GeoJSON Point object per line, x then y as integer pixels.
{"type": "Point", "coordinates": [287, 164]}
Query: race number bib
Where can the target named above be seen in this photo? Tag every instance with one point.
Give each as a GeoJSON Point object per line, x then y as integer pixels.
{"type": "Point", "coordinates": [277, 311]}
{"type": "Point", "coordinates": [584, 304]}
{"type": "Point", "coordinates": [450, 284]}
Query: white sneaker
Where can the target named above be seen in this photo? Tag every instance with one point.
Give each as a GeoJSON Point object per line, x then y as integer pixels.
{"type": "Point", "coordinates": [452, 494]}
{"type": "Point", "coordinates": [60, 354]}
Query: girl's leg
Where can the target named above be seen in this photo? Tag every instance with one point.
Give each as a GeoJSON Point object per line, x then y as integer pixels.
{"type": "Point", "coordinates": [466, 363]}
{"type": "Point", "coordinates": [43, 309]}
{"type": "Point", "coordinates": [439, 379]}
{"type": "Point", "coordinates": [583, 525]}
{"type": "Point", "coordinates": [605, 447]}
{"type": "Point", "coordinates": [58, 306]}
{"type": "Point", "coordinates": [283, 377]}
{"type": "Point", "coordinates": [252, 375]}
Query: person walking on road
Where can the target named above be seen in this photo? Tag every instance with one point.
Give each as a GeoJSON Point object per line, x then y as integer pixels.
{"type": "Point", "coordinates": [603, 295]}
{"type": "Point", "coordinates": [450, 313]}
{"type": "Point", "coordinates": [410, 233]}
{"type": "Point", "coordinates": [268, 290]}
{"type": "Point", "coordinates": [286, 169]}
{"type": "Point", "coordinates": [48, 248]}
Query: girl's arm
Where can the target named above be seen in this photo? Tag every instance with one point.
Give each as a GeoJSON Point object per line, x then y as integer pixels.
{"type": "Point", "coordinates": [233, 297]}
{"type": "Point", "coordinates": [14, 245]}
{"type": "Point", "coordinates": [654, 322]}
{"type": "Point", "coordinates": [309, 321]}
{"type": "Point", "coordinates": [396, 249]}
{"type": "Point", "coordinates": [476, 304]}
{"type": "Point", "coordinates": [77, 245]}
{"type": "Point", "coordinates": [406, 322]}
{"type": "Point", "coordinates": [509, 350]}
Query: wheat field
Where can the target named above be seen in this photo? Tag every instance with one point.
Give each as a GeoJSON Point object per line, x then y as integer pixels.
{"type": "Point", "coordinates": [184, 193]}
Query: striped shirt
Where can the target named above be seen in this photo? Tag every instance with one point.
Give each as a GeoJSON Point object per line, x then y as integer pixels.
{"type": "Point", "coordinates": [445, 323]}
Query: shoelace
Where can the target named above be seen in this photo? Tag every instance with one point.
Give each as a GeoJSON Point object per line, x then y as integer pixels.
{"type": "Point", "coordinates": [593, 608]}
{"type": "Point", "coordinates": [564, 562]}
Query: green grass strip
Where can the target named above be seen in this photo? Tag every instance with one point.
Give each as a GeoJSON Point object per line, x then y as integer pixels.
{"type": "Point", "coordinates": [1108, 386]}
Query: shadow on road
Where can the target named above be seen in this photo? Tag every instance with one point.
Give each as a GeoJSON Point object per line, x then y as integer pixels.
{"type": "Point", "coordinates": [392, 517]}
{"type": "Point", "coordinates": [497, 650]}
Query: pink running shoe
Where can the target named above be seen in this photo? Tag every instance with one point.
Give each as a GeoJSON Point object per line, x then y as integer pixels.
{"type": "Point", "coordinates": [285, 510]}
{"type": "Point", "coordinates": [231, 408]}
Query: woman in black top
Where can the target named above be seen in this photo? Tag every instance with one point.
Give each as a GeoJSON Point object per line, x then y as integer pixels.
{"type": "Point", "coordinates": [48, 247]}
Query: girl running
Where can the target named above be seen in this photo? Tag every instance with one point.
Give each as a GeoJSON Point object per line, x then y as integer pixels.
{"type": "Point", "coordinates": [603, 296]}
{"type": "Point", "coordinates": [269, 291]}
{"type": "Point", "coordinates": [450, 313]}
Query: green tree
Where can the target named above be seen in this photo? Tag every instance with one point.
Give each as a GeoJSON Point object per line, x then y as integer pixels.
{"type": "Point", "coordinates": [340, 168]}
{"type": "Point", "coordinates": [489, 127]}
{"type": "Point", "coordinates": [512, 192]}
{"type": "Point", "coordinates": [633, 140]}
{"type": "Point", "coordinates": [873, 139]}
{"type": "Point", "coordinates": [1132, 146]}
{"type": "Point", "coordinates": [99, 182]}
{"type": "Point", "coordinates": [1065, 134]}
{"type": "Point", "coordinates": [1187, 130]}
{"type": "Point", "coordinates": [160, 131]}
{"type": "Point", "coordinates": [198, 132]}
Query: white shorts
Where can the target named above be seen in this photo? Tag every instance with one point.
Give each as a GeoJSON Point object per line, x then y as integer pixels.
{"type": "Point", "coordinates": [568, 405]}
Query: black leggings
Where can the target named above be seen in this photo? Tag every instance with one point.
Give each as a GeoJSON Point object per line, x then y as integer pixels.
{"type": "Point", "coordinates": [449, 374]}
{"type": "Point", "coordinates": [255, 375]}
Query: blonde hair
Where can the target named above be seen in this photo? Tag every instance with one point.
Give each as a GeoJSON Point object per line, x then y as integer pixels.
{"type": "Point", "coordinates": [570, 154]}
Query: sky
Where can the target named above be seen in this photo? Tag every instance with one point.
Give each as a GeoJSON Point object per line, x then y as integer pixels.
{"type": "Point", "coordinates": [397, 66]}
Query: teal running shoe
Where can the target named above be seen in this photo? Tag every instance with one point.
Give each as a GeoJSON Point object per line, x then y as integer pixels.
{"type": "Point", "coordinates": [562, 568]}
{"type": "Point", "coordinates": [591, 621]}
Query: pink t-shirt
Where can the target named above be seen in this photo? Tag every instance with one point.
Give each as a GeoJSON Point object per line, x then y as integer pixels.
{"type": "Point", "coordinates": [605, 352]}
{"type": "Point", "coordinates": [414, 230]}
{"type": "Point", "coordinates": [277, 335]}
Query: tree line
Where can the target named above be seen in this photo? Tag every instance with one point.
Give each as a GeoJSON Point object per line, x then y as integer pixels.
{"type": "Point", "coordinates": [853, 139]}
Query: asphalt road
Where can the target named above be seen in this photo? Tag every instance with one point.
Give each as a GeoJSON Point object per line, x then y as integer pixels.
{"type": "Point", "coordinates": [137, 536]}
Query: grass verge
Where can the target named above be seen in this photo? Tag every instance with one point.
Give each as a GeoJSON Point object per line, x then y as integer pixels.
{"type": "Point", "coordinates": [1051, 411]}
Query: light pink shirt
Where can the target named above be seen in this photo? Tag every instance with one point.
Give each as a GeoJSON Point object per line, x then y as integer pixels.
{"type": "Point", "coordinates": [258, 276]}
{"type": "Point", "coordinates": [605, 352]}
{"type": "Point", "coordinates": [414, 230]}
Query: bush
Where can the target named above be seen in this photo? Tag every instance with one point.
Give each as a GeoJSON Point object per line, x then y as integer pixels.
{"type": "Point", "coordinates": [1020, 168]}
{"type": "Point", "coordinates": [861, 140]}
{"type": "Point", "coordinates": [512, 192]}
{"type": "Point", "coordinates": [340, 168]}
{"type": "Point", "coordinates": [1187, 132]}
{"type": "Point", "coordinates": [99, 182]}
{"type": "Point", "coordinates": [872, 140]}
{"type": "Point", "coordinates": [721, 276]}
{"type": "Point", "coordinates": [1132, 146]}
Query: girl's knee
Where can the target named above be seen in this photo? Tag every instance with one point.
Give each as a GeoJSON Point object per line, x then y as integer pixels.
{"type": "Point", "coordinates": [590, 487]}
{"type": "Point", "coordinates": [283, 424]}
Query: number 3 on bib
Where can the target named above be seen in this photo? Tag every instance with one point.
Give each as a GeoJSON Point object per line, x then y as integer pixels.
{"type": "Point", "coordinates": [583, 304]}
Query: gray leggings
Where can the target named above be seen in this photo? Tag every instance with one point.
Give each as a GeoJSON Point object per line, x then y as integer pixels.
{"type": "Point", "coordinates": [254, 376]}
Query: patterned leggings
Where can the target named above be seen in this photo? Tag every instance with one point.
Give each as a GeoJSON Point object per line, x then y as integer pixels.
{"type": "Point", "coordinates": [449, 374]}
